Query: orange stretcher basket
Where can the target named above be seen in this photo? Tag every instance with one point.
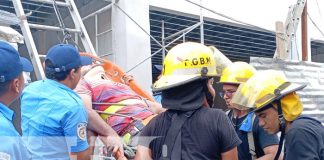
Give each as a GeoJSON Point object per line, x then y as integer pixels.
{"type": "Point", "coordinates": [114, 72]}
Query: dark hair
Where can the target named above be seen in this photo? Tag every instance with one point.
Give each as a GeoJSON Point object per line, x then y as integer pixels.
{"type": "Point", "coordinates": [4, 86]}
{"type": "Point", "coordinates": [59, 76]}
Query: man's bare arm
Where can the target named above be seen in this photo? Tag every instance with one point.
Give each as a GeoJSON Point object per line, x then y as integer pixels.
{"type": "Point", "coordinates": [143, 153]}
{"type": "Point", "coordinates": [107, 135]}
{"type": "Point", "coordinates": [230, 155]}
{"type": "Point", "coordinates": [155, 107]}
{"type": "Point", "coordinates": [270, 153]}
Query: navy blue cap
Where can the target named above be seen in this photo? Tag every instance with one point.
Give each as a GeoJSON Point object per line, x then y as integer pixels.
{"type": "Point", "coordinates": [65, 57]}
{"type": "Point", "coordinates": [11, 64]}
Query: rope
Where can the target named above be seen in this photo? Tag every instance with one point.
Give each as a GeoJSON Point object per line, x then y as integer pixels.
{"type": "Point", "coordinates": [66, 34]}
{"type": "Point", "coordinates": [60, 20]}
{"type": "Point", "coordinates": [129, 151]}
{"type": "Point", "coordinates": [117, 114]}
{"type": "Point", "coordinates": [230, 18]}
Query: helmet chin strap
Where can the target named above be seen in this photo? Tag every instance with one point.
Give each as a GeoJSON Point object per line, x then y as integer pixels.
{"type": "Point", "coordinates": [282, 124]}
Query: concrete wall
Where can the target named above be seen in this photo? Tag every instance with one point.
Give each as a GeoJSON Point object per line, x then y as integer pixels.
{"type": "Point", "coordinates": [130, 43]}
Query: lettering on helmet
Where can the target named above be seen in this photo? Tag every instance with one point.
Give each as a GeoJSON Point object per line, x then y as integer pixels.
{"type": "Point", "coordinates": [200, 61]}
{"type": "Point", "coordinates": [186, 62]}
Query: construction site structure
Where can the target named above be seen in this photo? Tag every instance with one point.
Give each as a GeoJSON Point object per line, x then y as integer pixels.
{"type": "Point", "coordinates": [288, 34]}
{"type": "Point", "coordinates": [25, 28]}
{"type": "Point", "coordinates": [116, 31]}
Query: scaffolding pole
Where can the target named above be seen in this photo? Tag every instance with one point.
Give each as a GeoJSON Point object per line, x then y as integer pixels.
{"type": "Point", "coordinates": [163, 41]}
{"type": "Point", "coordinates": [30, 44]}
{"type": "Point", "coordinates": [201, 18]}
{"type": "Point", "coordinates": [97, 12]}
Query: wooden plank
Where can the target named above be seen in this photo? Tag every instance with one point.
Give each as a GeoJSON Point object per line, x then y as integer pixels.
{"type": "Point", "coordinates": [280, 41]}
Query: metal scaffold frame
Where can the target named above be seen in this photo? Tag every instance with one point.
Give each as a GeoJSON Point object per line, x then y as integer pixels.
{"type": "Point", "coordinates": [25, 27]}
{"type": "Point", "coordinates": [163, 44]}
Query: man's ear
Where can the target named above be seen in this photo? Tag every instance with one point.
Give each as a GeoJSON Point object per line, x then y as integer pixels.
{"type": "Point", "coordinates": [72, 73]}
{"type": "Point", "coordinates": [15, 85]}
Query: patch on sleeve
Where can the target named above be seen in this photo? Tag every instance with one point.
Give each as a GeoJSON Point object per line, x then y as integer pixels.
{"type": "Point", "coordinates": [82, 131]}
{"type": "Point", "coordinates": [4, 156]}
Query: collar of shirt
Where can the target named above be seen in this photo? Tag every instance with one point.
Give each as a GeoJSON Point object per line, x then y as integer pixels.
{"type": "Point", "coordinates": [8, 113]}
{"type": "Point", "coordinates": [60, 85]}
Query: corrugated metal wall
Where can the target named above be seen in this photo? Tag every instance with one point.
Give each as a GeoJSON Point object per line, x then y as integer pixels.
{"type": "Point", "coordinates": [309, 73]}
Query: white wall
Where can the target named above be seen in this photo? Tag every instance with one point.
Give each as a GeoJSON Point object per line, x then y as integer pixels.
{"type": "Point", "coordinates": [130, 44]}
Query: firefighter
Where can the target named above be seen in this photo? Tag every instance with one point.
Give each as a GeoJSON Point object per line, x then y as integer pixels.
{"type": "Point", "coordinates": [274, 100]}
{"type": "Point", "coordinates": [188, 129]}
{"type": "Point", "coordinates": [256, 143]}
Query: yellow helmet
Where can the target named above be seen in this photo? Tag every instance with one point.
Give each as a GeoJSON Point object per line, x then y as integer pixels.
{"type": "Point", "coordinates": [237, 73]}
{"type": "Point", "coordinates": [184, 63]}
{"type": "Point", "coordinates": [265, 87]}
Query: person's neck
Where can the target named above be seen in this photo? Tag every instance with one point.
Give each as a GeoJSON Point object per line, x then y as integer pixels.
{"type": "Point", "coordinates": [67, 83]}
{"type": "Point", "coordinates": [239, 113]}
{"type": "Point", "coordinates": [288, 125]}
{"type": "Point", "coordinates": [206, 103]}
{"type": "Point", "coordinates": [6, 99]}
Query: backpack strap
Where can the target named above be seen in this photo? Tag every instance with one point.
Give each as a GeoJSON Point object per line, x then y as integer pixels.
{"type": "Point", "coordinates": [250, 137]}
{"type": "Point", "coordinates": [171, 149]}
{"type": "Point", "coordinates": [251, 141]}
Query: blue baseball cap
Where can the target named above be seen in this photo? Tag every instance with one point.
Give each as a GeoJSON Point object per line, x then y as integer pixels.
{"type": "Point", "coordinates": [11, 64]}
{"type": "Point", "coordinates": [65, 57]}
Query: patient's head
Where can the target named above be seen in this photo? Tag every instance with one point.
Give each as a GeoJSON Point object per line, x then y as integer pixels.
{"type": "Point", "coordinates": [94, 72]}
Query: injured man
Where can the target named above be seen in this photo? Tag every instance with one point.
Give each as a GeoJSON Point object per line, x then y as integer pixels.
{"type": "Point", "coordinates": [117, 104]}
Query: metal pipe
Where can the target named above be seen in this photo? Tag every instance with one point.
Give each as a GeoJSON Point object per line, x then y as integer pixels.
{"type": "Point", "coordinates": [53, 28]}
{"type": "Point", "coordinates": [238, 36]}
{"type": "Point", "coordinates": [108, 54]}
{"type": "Point", "coordinates": [138, 25]}
{"type": "Point", "coordinates": [163, 41]}
{"type": "Point", "coordinates": [156, 52]}
{"type": "Point", "coordinates": [117, 114]}
{"type": "Point", "coordinates": [30, 44]}
{"type": "Point", "coordinates": [36, 4]}
{"type": "Point", "coordinates": [107, 31]}
{"type": "Point", "coordinates": [97, 12]}
{"type": "Point", "coordinates": [201, 18]}
{"type": "Point", "coordinates": [51, 2]}
{"type": "Point", "coordinates": [193, 27]}
{"type": "Point", "coordinates": [182, 31]}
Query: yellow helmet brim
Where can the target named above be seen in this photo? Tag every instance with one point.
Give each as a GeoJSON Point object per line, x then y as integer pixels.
{"type": "Point", "coordinates": [166, 82]}
{"type": "Point", "coordinates": [291, 88]}
{"type": "Point", "coordinates": [259, 90]}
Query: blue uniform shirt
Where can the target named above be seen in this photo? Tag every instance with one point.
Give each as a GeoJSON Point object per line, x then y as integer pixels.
{"type": "Point", "coordinates": [12, 146]}
{"type": "Point", "coordinates": [54, 120]}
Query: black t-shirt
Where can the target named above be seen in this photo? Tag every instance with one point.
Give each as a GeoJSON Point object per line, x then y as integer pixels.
{"type": "Point", "coordinates": [261, 138]}
{"type": "Point", "coordinates": [305, 140]}
{"type": "Point", "coordinates": [205, 135]}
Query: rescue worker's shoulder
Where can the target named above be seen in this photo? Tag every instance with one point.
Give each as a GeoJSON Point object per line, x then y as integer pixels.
{"type": "Point", "coordinates": [213, 111]}
{"type": "Point", "coordinates": [304, 123]}
{"type": "Point", "coordinates": [212, 115]}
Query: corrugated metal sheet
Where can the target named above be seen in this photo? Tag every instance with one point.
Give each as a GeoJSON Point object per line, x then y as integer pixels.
{"type": "Point", "coordinates": [309, 73]}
